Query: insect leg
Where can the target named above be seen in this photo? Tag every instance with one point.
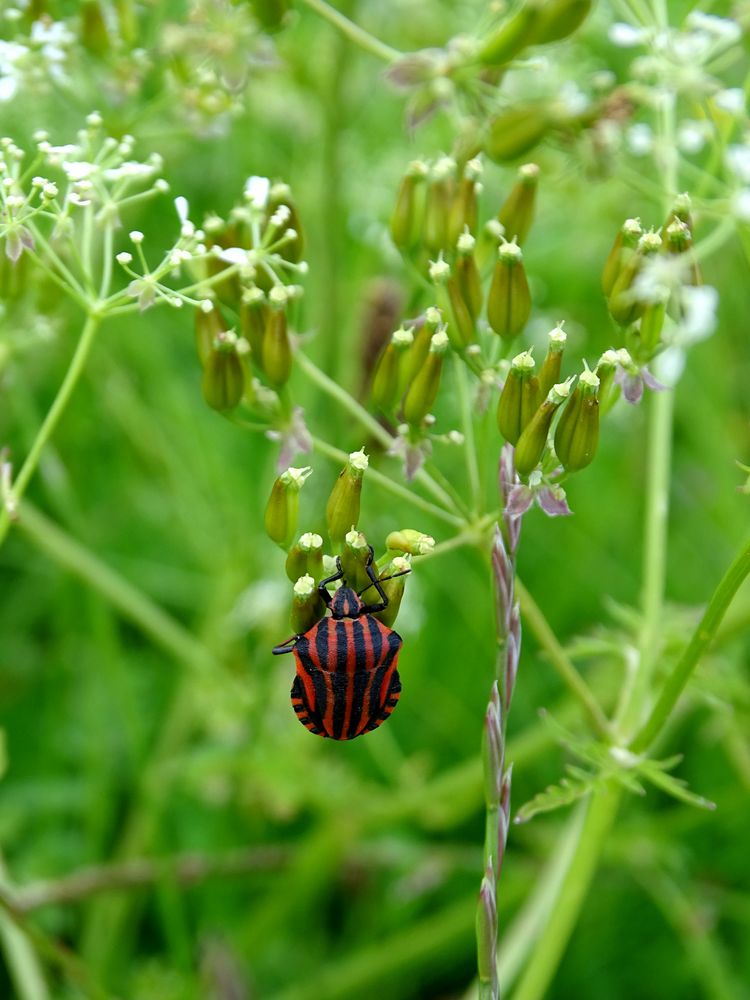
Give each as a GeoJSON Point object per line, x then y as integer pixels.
{"type": "Point", "coordinates": [323, 585]}
{"type": "Point", "coordinates": [285, 647]}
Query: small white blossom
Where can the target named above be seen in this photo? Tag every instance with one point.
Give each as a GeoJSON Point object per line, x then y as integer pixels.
{"type": "Point", "coordinates": [256, 191]}
{"type": "Point", "coordinates": [124, 257]}
{"type": "Point", "coordinates": [639, 139]}
{"type": "Point", "coordinates": [136, 236]}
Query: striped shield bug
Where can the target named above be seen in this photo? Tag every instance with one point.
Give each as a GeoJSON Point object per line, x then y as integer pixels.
{"type": "Point", "coordinates": [347, 683]}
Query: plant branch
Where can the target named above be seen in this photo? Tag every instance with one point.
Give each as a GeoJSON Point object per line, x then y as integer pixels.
{"type": "Point", "coordinates": [353, 32]}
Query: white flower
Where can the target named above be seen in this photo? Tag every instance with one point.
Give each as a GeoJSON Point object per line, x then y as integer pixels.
{"type": "Point", "coordinates": [699, 317]}
{"type": "Point", "coordinates": [691, 136]}
{"type": "Point", "coordinates": [738, 161]}
{"type": "Point", "coordinates": [639, 139]}
{"type": "Point", "coordinates": [626, 36]}
{"type": "Point", "coordinates": [741, 204]}
{"type": "Point", "coordinates": [731, 100]}
{"type": "Point", "coordinates": [182, 208]}
{"type": "Point", "coordinates": [256, 191]}
{"type": "Point", "coordinates": [78, 170]}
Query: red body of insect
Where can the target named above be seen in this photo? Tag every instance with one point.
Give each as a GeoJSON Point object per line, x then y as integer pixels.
{"type": "Point", "coordinates": [347, 683]}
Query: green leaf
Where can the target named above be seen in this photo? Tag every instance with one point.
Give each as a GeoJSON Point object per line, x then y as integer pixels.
{"type": "Point", "coordinates": [569, 790]}
{"type": "Point", "coordinates": [655, 771]}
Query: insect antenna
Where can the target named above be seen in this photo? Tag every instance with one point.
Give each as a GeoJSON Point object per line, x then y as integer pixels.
{"type": "Point", "coordinates": [382, 579]}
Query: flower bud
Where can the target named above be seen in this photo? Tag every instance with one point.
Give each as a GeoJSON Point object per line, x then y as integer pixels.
{"type": "Point", "coordinates": [270, 14]}
{"type": "Point", "coordinates": [519, 399]}
{"type": "Point", "coordinates": [517, 212]}
{"type": "Point", "coordinates": [510, 38]}
{"type": "Point", "coordinates": [280, 517]}
{"type": "Point", "coordinates": [533, 439]}
{"type": "Point", "coordinates": [410, 542]}
{"type": "Point", "coordinates": [387, 386]}
{"type": "Point", "coordinates": [440, 194]}
{"type": "Point", "coordinates": [516, 131]}
{"type": "Point", "coordinates": [307, 605]}
{"type": "Point", "coordinates": [623, 248]}
{"type": "Point", "coordinates": [305, 557]}
{"type": "Point", "coordinates": [558, 19]}
{"type": "Point", "coordinates": [342, 509]}
{"type": "Point", "coordinates": [208, 327]}
{"type": "Point", "coordinates": [355, 555]}
{"type": "Point", "coordinates": [94, 33]}
{"type": "Point", "coordinates": [606, 370]}
{"type": "Point", "coordinates": [549, 373]}
{"type": "Point", "coordinates": [254, 320]}
{"type": "Point", "coordinates": [417, 353]}
{"type": "Point", "coordinates": [281, 195]}
{"type": "Point", "coordinates": [223, 381]}
{"type": "Point", "coordinates": [467, 274]}
{"type": "Point", "coordinates": [678, 239]}
{"type": "Point", "coordinates": [393, 586]}
{"type": "Point", "coordinates": [577, 432]}
{"type": "Point", "coordinates": [463, 213]}
{"type": "Point", "coordinates": [276, 353]}
{"type": "Point", "coordinates": [623, 306]}
{"type": "Point", "coordinates": [423, 390]}
{"type": "Point", "coordinates": [652, 323]}
{"type": "Point", "coordinates": [509, 301]}
{"type": "Point", "coordinates": [406, 220]}
{"type": "Point", "coordinates": [459, 324]}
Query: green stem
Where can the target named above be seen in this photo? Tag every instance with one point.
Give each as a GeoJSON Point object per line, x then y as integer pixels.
{"type": "Point", "coordinates": [129, 601]}
{"type": "Point", "coordinates": [659, 446]}
{"type": "Point", "coordinates": [388, 484]}
{"type": "Point", "coordinates": [600, 812]}
{"type": "Point", "coordinates": [21, 960]}
{"type": "Point", "coordinates": [533, 617]}
{"type": "Point", "coordinates": [699, 642]}
{"type": "Point", "coordinates": [52, 419]}
{"type": "Point", "coordinates": [353, 32]}
{"type": "Point", "coordinates": [368, 422]}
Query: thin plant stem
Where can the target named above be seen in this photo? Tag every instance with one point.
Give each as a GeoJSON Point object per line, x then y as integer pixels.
{"type": "Point", "coordinates": [55, 412]}
{"type": "Point", "coordinates": [353, 32]}
{"type": "Point", "coordinates": [20, 957]}
{"type": "Point", "coordinates": [533, 616]}
{"type": "Point", "coordinates": [470, 447]}
{"type": "Point", "coordinates": [369, 422]}
{"type": "Point", "coordinates": [134, 605]}
{"type": "Point", "coordinates": [390, 485]}
{"type": "Point", "coordinates": [699, 643]}
{"type": "Point", "coordinates": [600, 810]}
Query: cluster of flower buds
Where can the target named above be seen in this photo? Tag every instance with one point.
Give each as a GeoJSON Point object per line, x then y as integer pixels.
{"type": "Point", "coordinates": [308, 561]}
{"type": "Point", "coordinates": [532, 403]}
{"type": "Point", "coordinates": [645, 277]}
{"type": "Point", "coordinates": [251, 259]}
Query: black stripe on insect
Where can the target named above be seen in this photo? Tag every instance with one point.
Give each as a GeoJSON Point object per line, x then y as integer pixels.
{"type": "Point", "coordinates": [347, 683]}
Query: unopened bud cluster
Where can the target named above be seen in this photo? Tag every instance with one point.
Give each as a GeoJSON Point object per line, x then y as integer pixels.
{"type": "Point", "coordinates": [310, 558]}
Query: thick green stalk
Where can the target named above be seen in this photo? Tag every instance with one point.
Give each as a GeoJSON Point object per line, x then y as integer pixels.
{"type": "Point", "coordinates": [59, 405]}
{"type": "Point", "coordinates": [699, 643]}
{"type": "Point", "coordinates": [353, 32]}
{"type": "Point", "coordinates": [601, 809]}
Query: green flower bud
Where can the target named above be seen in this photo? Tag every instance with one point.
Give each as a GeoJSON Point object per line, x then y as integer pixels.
{"type": "Point", "coordinates": [549, 373]}
{"type": "Point", "coordinates": [223, 382]}
{"type": "Point", "coordinates": [467, 274]}
{"type": "Point", "coordinates": [393, 587]}
{"type": "Point", "coordinates": [519, 399]}
{"type": "Point", "coordinates": [606, 370]}
{"type": "Point", "coordinates": [355, 556]}
{"type": "Point", "coordinates": [94, 33]}
{"type": "Point", "coordinates": [678, 239]}
{"type": "Point", "coordinates": [623, 307]}
{"type": "Point", "coordinates": [280, 517]}
{"type": "Point", "coordinates": [622, 249]}
{"type": "Point", "coordinates": [463, 213]}
{"type": "Point", "coordinates": [652, 323]}
{"type": "Point", "coordinates": [516, 131]}
{"type": "Point", "coordinates": [254, 320]}
{"type": "Point", "coordinates": [387, 387]}
{"type": "Point", "coordinates": [276, 353]}
{"type": "Point", "coordinates": [517, 212]}
{"type": "Point", "coordinates": [510, 38]}
{"type": "Point", "coordinates": [509, 301]}
{"type": "Point", "coordinates": [409, 541]}
{"type": "Point", "coordinates": [440, 194]}
{"type": "Point", "coordinates": [209, 325]}
{"type": "Point", "coordinates": [459, 324]}
{"type": "Point", "coordinates": [558, 19]}
{"type": "Point", "coordinates": [281, 194]}
{"type": "Point", "coordinates": [417, 353]}
{"type": "Point", "coordinates": [423, 390]}
{"type": "Point", "coordinates": [307, 605]}
{"type": "Point", "coordinates": [533, 439]}
{"type": "Point", "coordinates": [406, 221]}
{"type": "Point", "coordinates": [577, 432]}
{"type": "Point", "coordinates": [342, 509]}
{"type": "Point", "coordinates": [305, 557]}
{"type": "Point", "coordinates": [270, 14]}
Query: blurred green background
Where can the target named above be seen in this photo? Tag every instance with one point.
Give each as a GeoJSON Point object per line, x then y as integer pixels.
{"type": "Point", "coordinates": [286, 867]}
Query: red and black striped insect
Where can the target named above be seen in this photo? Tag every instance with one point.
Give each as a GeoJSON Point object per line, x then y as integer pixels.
{"type": "Point", "coordinates": [347, 683]}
